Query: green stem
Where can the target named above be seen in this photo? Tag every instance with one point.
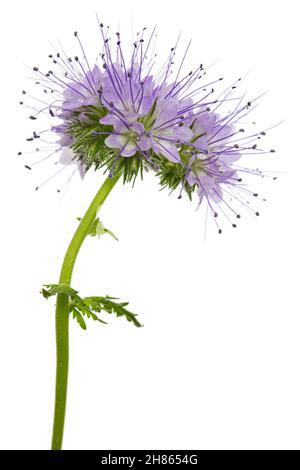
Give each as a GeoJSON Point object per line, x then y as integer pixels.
{"type": "Point", "coordinates": [62, 311]}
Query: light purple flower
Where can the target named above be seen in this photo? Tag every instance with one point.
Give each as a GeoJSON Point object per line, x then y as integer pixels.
{"type": "Point", "coordinates": [82, 89]}
{"type": "Point", "coordinates": [130, 139]}
{"type": "Point", "coordinates": [126, 109]}
{"type": "Point", "coordinates": [67, 157]}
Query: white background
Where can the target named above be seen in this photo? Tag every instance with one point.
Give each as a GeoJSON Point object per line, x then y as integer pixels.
{"type": "Point", "coordinates": [216, 365]}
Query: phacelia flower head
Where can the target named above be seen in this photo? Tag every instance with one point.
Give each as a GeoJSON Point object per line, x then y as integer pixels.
{"type": "Point", "coordinates": [122, 115]}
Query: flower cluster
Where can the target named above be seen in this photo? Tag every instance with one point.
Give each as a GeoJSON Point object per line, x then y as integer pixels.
{"type": "Point", "coordinates": [121, 116]}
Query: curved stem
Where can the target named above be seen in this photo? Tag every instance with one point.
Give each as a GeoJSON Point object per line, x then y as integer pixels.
{"type": "Point", "coordinates": [62, 311]}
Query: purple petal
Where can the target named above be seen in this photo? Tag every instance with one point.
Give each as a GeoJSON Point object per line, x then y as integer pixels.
{"type": "Point", "coordinates": [115, 141]}
{"type": "Point", "coordinates": [129, 150]}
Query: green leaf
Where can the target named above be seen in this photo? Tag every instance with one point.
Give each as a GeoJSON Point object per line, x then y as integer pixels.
{"type": "Point", "coordinates": [49, 290]}
{"type": "Point", "coordinates": [77, 315]}
{"type": "Point", "coordinates": [90, 306]}
{"type": "Point", "coordinates": [108, 305]}
{"type": "Point", "coordinates": [93, 229]}
{"type": "Point", "coordinates": [97, 228]}
{"type": "Point", "coordinates": [111, 234]}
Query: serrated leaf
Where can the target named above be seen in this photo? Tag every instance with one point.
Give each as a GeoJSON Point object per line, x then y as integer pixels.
{"type": "Point", "coordinates": [109, 306]}
{"type": "Point", "coordinates": [48, 290]}
{"type": "Point", "coordinates": [85, 310]}
{"type": "Point", "coordinates": [86, 307]}
{"type": "Point", "coordinates": [77, 315]}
